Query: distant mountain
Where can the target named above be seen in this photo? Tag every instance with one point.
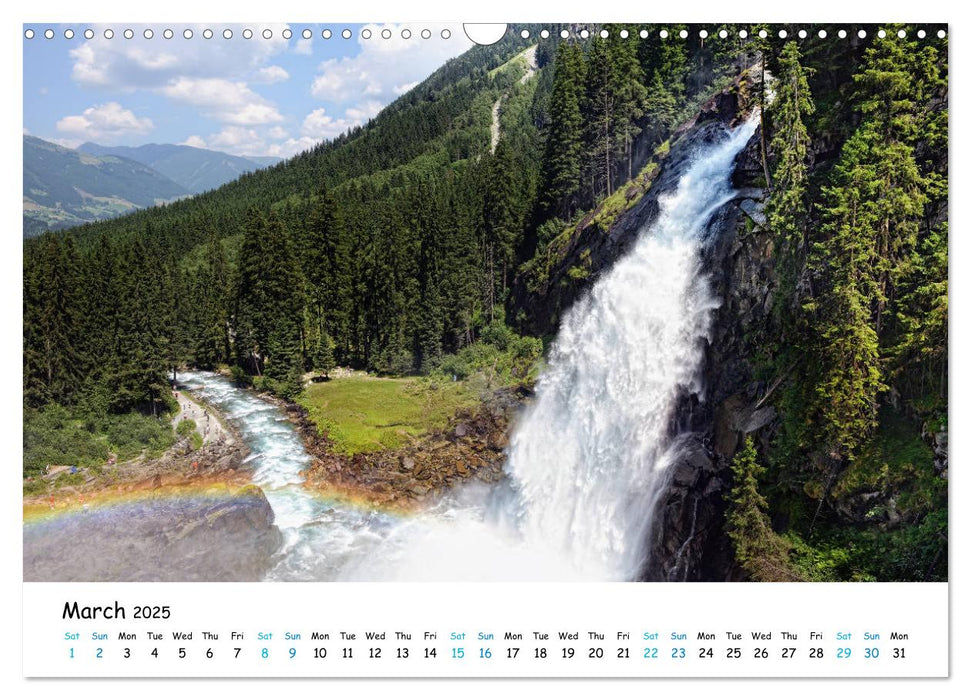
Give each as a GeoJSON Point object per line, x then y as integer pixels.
{"type": "Point", "coordinates": [64, 187]}
{"type": "Point", "coordinates": [195, 169]}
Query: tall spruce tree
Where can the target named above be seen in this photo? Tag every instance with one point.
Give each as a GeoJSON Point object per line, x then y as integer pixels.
{"type": "Point", "coordinates": [758, 549]}
{"type": "Point", "coordinates": [786, 209]}
{"type": "Point", "coordinates": [563, 156]}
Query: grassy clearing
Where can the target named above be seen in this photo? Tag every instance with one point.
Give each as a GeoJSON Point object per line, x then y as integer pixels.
{"type": "Point", "coordinates": [362, 413]}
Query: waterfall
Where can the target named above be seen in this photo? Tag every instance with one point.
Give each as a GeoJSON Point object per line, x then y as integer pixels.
{"type": "Point", "coordinates": [586, 460]}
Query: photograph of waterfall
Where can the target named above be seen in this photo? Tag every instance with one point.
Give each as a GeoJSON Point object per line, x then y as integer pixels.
{"type": "Point", "coordinates": [578, 303]}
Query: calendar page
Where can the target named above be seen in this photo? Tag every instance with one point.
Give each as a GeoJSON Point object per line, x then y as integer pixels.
{"type": "Point", "coordinates": [444, 350]}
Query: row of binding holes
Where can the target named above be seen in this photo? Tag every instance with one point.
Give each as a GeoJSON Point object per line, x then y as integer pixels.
{"type": "Point", "coordinates": [445, 34]}
{"type": "Point", "coordinates": [246, 34]}
{"type": "Point", "coordinates": [723, 34]}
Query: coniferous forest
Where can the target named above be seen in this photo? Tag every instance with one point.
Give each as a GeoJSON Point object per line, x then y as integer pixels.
{"type": "Point", "coordinates": [415, 245]}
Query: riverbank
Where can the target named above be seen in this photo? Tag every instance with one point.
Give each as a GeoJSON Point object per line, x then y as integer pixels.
{"type": "Point", "coordinates": [471, 446]}
{"type": "Point", "coordinates": [216, 464]}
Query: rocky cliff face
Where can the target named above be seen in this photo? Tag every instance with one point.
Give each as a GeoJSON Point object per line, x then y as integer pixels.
{"type": "Point", "coordinates": [687, 540]}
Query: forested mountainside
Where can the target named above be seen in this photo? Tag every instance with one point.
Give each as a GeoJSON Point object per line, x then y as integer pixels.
{"type": "Point", "coordinates": [410, 245]}
{"type": "Point", "coordinates": [64, 187]}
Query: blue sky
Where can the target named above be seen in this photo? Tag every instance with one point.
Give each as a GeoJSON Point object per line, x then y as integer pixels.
{"type": "Point", "coordinates": [255, 96]}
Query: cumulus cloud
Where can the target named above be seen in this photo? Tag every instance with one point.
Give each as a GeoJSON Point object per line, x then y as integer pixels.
{"type": "Point", "coordinates": [304, 47]}
{"type": "Point", "coordinates": [223, 100]}
{"type": "Point", "coordinates": [322, 126]}
{"type": "Point", "coordinates": [363, 111]}
{"type": "Point", "coordinates": [402, 89]}
{"type": "Point", "coordinates": [290, 147]}
{"type": "Point", "coordinates": [109, 123]}
{"type": "Point", "coordinates": [195, 142]}
{"type": "Point", "coordinates": [270, 74]}
{"type": "Point", "coordinates": [385, 68]}
{"type": "Point", "coordinates": [238, 140]}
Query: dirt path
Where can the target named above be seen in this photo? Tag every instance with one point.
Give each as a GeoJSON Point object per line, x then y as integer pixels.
{"type": "Point", "coordinates": [495, 125]}
{"type": "Point", "coordinates": [530, 56]}
{"type": "Point", "coordinates": [207, 423]}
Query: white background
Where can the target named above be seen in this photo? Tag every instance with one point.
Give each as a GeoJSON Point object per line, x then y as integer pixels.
{"type": "Point", "coordinates": [17, 12]}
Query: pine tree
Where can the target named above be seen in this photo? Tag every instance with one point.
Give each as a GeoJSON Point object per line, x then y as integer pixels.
{"type": "Point", "coordinates": [920, 354]}
{"type": "Point", "coordinates": [323, 358]}
{"type": "Point", "coordinates": [847, 343]}
{"type": "Point", "coordinates": [665, 61]}
{"type": "Point", "coordinates": [758, 549]}
{"type": "Point", "coordinates": [786, 210]}
{"type": "Point", "coordinates": [52, 322]}
{"type": "Point", "coordinates": [251, 296]}
{"type": "Point", "coordinates": [562, 160]}
{"type": "Point", "coordinates": [886, 92]}
{"type": "Point", "coordinates": [600, 120]}
{"type": "Point", "coordinates": [631, 98]}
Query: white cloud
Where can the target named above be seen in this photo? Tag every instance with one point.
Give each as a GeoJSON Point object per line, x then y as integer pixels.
{"type": "Point", "coordinates": [385, 68]}
{"type": "Point", "coordinates": [109, 123]}
{"type": "Point", "coordinates": [67, 143]}
{"type": "Point", "coordinates": [195, 142]}
{"type": "Point", "coordinates": [270, 74]}
{"type": "Point", "coordinates": [277, 133]}
{"type": "Point", "coordinates": [402, 89]}
{"type": "Point", "coordinates": [364, 111]}
{"type": "Point", "coordinates": [320, 126]}
{"type": "Point", "coordinates": [290, 147]}
{"type": "Point", "coordinates": [304, 47]}
{"type": "Point", "coordinates": [223, 100]}
{"type": "Point", "coordinates": [238, 140]}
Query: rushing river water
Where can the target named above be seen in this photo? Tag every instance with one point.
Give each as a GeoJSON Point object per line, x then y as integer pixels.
{"type": "Point", "coordinates": [319, 535]}
{"type": "Point", "coordinates": [584, 464]}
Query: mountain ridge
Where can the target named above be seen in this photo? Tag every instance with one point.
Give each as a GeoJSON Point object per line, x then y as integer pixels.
{"type": "Point", "coordinates": [195, 169]}
{"type": "Point", "coordinates": [64, 187]}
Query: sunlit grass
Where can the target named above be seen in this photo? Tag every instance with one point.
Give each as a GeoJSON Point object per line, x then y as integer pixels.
{"type": "Point", "coordinates": [365, 414]}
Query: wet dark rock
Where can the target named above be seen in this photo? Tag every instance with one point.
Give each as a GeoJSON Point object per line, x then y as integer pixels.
{"type": "Point", "coordinates": [754, 210]}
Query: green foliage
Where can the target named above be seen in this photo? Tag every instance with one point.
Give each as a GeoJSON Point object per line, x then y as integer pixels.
{"type": "Point", "coordinates": [897, 464]}
{"type": "Point", "coordinates": [786, 209]}
{"type": "Point", "coordinates": [915, 552]}
{"type": "Point", "coordinates": [759, 550]}
{"type": "Point", "coordinates": [186, 427]}
{"type": "Point", "coordinates": [562, 162]}
{"type": "Point", "coordinates": [500, 358]}
{"type": "Point", "coordinates": [239, 376]}
{"type": "Point", "coordinates": [57, 435]}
